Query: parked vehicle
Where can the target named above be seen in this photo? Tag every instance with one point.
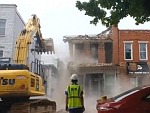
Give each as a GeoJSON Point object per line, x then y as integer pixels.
{"type": "Point", "coordinates": [136, 100]}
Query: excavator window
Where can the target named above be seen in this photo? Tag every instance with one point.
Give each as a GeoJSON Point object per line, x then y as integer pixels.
{"type": "Point", "coordinates": [32, 82]}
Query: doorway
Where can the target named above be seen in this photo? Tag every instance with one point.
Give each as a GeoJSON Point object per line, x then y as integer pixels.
{"type": "Point", "coordinates": [95, 85]}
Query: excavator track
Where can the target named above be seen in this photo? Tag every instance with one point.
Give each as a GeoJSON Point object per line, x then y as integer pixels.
{"type": "Point", "coordinates": [30, 106]}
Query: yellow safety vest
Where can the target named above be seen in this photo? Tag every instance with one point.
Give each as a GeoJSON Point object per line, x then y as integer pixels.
{"type": "Point", "coordinates": [74, 96]}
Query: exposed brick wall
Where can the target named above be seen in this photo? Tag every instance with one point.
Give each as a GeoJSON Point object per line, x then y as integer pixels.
{"type": "Point", "coordinates": [118, 37]}
{"type": "Point", "coordinates": [101, 53]}
{"type": "Point", "coordinates": [115, 38]}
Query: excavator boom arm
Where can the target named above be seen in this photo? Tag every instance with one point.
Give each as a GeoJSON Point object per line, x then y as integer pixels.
{"type": "Point", "coordinates": [31, 32]}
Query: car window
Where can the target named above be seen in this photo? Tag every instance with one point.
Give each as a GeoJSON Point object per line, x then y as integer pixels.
{"type": "Point", "coordinates": [147, 98]}
{"type": "Point", "coordinates": [125, 95]}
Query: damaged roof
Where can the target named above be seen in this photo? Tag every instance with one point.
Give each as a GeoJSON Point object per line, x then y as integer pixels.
{"type": "Point", "coordinates": [103, 35]}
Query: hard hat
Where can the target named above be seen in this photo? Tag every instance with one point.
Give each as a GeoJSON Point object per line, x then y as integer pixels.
{"type": "Point", "coordinates": [74, 77]}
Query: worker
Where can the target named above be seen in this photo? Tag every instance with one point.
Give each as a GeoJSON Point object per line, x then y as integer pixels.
{"type": "Point", "coordinates": [74, 96]}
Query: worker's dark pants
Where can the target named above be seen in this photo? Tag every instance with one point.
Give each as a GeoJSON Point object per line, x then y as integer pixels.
{"type": "Point", "coordinates": [76, 110]}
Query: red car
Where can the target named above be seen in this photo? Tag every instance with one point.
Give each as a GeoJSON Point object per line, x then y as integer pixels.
{"type": "Point", "coordinates": [136, 100]}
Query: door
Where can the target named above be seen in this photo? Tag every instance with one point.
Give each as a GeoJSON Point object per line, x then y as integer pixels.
{"type": "Point", "coordinates": [97, 85]}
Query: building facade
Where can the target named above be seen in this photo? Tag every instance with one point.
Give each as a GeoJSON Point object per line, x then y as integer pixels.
{"type": "Point", "coordinates": [11, 23]}
{"type": "Point", "coordinates": [100, 60]}
{"type": "Point", "coordinates": [133, 57]}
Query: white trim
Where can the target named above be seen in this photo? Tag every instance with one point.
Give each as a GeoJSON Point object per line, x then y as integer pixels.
{"type": "Point", "coordinates": [128, 42]}
{"type": "Point", "coordinates": [141, 42]}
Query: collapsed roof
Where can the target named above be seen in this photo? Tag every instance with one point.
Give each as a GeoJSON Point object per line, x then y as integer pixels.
{"type": "Point", "coordinates": [103, 35]}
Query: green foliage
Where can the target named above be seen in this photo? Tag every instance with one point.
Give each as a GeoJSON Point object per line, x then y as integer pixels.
{"type": "Point", "coordinates": [118, 9]}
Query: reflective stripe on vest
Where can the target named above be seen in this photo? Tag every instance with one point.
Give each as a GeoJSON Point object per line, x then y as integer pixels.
{"type": "Point", "coordinates": [74, 94]}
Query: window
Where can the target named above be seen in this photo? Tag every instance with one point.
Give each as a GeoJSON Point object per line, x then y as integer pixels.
{"type": "Point", "coordinates": [126, 93]}
{"type": "Point", "coordinates": [1, 53]}
{"type": "Point", "coordinates": [94, 52]}
{"type": "Point", "coordinates": [143, 51]}
{"type": "Point", "coordinates": [78, 52]}
{"type": "Point", "coordinates": [147, 98]}
{"type": "Point", "coordinates": [128, 51]}
{"type": "Point", "coordinates": [108, 52]}
{"type": "Point", "coordinates": [2, 26]}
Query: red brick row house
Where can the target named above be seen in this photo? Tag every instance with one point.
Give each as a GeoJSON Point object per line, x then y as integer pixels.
{"type": "Point", "coordinates": [133, 48]}
{"type": "Point", "coordinates": [110, 62]}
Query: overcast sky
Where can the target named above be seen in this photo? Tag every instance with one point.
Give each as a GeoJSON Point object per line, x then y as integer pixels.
{"type": "Point", "coordinates": [60, 17]}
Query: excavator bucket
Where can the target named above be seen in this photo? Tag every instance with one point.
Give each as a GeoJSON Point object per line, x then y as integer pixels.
{"type": "Point", "coordinates": [49, 45]}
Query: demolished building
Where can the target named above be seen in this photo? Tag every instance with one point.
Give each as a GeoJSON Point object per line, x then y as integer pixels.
{"type": "Point", "coordinates": [99, 61]}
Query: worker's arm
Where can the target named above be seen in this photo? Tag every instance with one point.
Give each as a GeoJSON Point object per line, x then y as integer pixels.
{"type": "Point", "coordinates": [82, 100]}
{"type": "Point", "coordinates": [81, 95]}
{"type": "Point", "coordinates": [66, 100]}
{"type": "Point", "coordinates": [66, 93]}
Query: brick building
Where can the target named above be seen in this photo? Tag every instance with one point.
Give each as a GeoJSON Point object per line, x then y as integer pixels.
{"type": "Point", "coordinates": [133, 57]}
{"type": "Point", "coordinates": [107, 62]}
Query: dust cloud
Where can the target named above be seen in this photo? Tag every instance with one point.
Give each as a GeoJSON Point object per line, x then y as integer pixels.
{"type": "Point", "coordinates": [90, 101]}
{"type": "Point", "coordinates": [59, 92]}
{"type": "Point", "coordinates": [59, 95]}
{"type": "Point", "coordinates": [90, 104]}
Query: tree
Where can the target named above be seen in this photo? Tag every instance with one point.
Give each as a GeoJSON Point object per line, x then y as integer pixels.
{"type": "Point", "coordinates": [110, 12]}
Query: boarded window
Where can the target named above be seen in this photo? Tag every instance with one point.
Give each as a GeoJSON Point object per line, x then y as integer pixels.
{"type": "Point", "coordinates": [108, 52]}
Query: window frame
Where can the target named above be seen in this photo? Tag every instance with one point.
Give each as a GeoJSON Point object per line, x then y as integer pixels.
{"type": "Point", "coordinates": [3, 27]}
{"type": "Point", "coordinates": [1, 51]}
{"type": "Point", "coordinates": [143, 42]}
{"type": "Point", "coordinates": [128, 42]}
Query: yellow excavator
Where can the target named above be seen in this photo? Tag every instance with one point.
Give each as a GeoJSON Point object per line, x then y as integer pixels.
{"type": "Point", "coordinates": [23, 78]}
